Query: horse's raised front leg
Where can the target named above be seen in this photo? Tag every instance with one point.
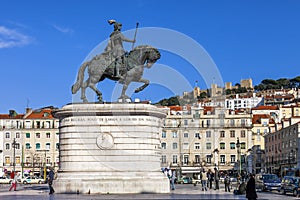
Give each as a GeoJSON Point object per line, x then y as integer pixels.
{"type": "Point", "coordinates": [146, 83]}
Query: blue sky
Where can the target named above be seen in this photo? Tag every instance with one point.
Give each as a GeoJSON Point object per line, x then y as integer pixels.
{"type": "Point", "coordinates": [43, 43]}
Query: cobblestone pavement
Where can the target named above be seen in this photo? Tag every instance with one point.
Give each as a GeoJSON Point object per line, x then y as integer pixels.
{"type": "Point", "coordinates": [40, 192]}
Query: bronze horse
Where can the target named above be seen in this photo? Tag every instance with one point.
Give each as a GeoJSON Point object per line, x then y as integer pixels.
{"type": "Point", "coordinates": [101, 67]}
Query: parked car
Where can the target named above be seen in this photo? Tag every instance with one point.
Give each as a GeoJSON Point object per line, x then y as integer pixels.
{"type": "Point", "coordinates": [185, 180]}
{"type": "Point", "coordinates": [32, 180]}
{"type": "Point", "coordinates": [265, 182]}
{"type": "Point", "coordinates": [196, 181]}
{"type": "Point", "coordinates": [290, 184]}
{"type": "Point", "coordinates": [5, 180]}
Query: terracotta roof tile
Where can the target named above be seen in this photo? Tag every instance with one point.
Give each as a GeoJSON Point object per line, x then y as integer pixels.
{"type": "Point", "coordinates": [40, 114]}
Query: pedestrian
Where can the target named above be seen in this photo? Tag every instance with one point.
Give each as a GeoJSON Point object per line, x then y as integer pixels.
{"type": "Point", "coordinates": [210, 176]}
{"type": "Point", "coordinates": [217, 178]}
{"type": "Point", "coordinates": [227, 183]}
{"type": "Point", "coordinates": [14, 182]}
{"type": "Point", "coordinates": [50, 180]}
{"type": "Point", "coordinates": [250, 189]}
{"type": "Point", "coordinates": [203, 178]}
{"type": "Point", "coordinates": [173, 180]}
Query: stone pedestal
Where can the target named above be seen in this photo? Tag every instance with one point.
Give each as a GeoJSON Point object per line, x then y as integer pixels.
{"type": "Point", "coordinates": [110, 148]}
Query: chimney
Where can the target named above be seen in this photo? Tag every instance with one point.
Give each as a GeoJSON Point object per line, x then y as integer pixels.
{"type": "Point", "coordinates": [28, 110]}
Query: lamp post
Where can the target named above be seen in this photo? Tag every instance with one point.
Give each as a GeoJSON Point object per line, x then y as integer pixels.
{"type": "Point", "coordinates": [14, 155]}
{"type": "Point", "coordinates": [238, 146]}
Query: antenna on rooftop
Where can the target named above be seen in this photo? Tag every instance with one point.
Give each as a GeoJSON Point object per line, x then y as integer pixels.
{"type": "Point", "coordinates": [27, 103]}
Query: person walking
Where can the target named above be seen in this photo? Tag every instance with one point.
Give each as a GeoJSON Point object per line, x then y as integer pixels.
{"type": "Point", "coordinates": [250, 189]}
{"type": "Point", "coordinates": [217, 179]}
{"type": "Point", "coordinates": [173, 177]}
{"type": "Point", "coordinates": [210, 176]}
{"type": "Point", "coordinates": [14, 182]}
{"type": "Point", "coordinates": [203, 177]}
{"type": "Point", "coordinates": [227, 183]}
{"type": "Point", "coordinates": [50, 181]}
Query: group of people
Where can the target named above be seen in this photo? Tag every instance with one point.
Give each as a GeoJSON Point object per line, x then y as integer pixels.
{"type": "Point", "coordinates": [16, 177]}
{"type": "Point", "coordinates": [171, 174]}
{"type": "Point", "coordinates": [207, 179]}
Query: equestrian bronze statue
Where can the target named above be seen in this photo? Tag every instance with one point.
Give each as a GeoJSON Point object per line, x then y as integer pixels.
{"type": "Point", "coordinates": [116, 64]}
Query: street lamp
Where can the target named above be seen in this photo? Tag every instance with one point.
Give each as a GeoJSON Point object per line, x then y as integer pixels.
{"type": "Point", "coordinates": [238, 146]}
{"type": "Point", "coordinates": [14, 155]}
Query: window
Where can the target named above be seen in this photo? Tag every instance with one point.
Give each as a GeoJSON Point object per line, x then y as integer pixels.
{"type": "Point", "coordinates": [7, 135]}
{"type": "Point", "coordinates": [232, 145]}
{"type": "Point", "coordinates": [163, 145]}
{"type": "Point", "coordinates": [38, 135]}
{"type": "Point", "coordinates": [243, 122]}
{"type": "Point", "coordinates": [47, 124]}
{"type": "Point", "coordinates": [27, 135]}
{"type": "Point", "coordinates": [222, 145]}
{"type": "Point", "coordinates": [48, 160]}
{"type": "Point", "coordinates": [18, 160]}
{"type": "Point", "coordinates": [232, 122]}
{"type": "Point", "coordinates": [186, 159]}
{"type": "Point", "coordinates": [185, 122]}
{"type": "Point", "coordinates": [174, 134]}
{"type": "Point", "coordinates": [232, 158]}
{"type": "Point", "coordinates": [208, 123]}
{"type": "Point", "coordinates": [38, 124]}
{"type": "Point", "coordinates": [37, 146]}
{"type": "Point", "coordinates": [174, 160]}
{"type": "Point", "coordinates": [174, 145]}
{"type": "Point", "coordinates": [47, 146]}
{"type": "Point", "coordinates": [197, 158]}
{"type": "Point", "coordinates": [27, 124]}
{"type": "Point", "coordinates": [208, 158]}
{"type": "Point", "coordinates": [163, 159]}
{"type": "Point", "coordinates": [208, 134]}
{"type": "Point", "coordinates": [174, 123]}
{"type": "Point", "coordinates": [57, 146]}
{"type": "Point", "coordinates": [243, 145]}
{"type": "Point", "coordinates": [197, 145]}
{"type": "Point", "coordinates": [47, 135]}
{"type": "Point", "coordinates": [7, 146]}
{"type": "Point", "coordinates": [7, 160]}
{"type": "Point", "coordinates": [243, 133]}
{"type": "Point", "coordinates": [186, 135]}
{"type": "Point", "coordinates": [185, 146]}
{"type": "Point", "coordinates": [163, 134]}
{"type": "Point", "coordinates": [222, 159]}
{"type": "Point", "coordinates": [197, 135]}
{"type": "Point", "coordinates": [27, 146]}
{"type": "Point", "coordinates": [232, 133]}
{"type": "Point", "coordinates": [222, 134]}
{"type": "Point", "coordinates": [17, 145]}
{"type": "Point", "coordinates": [208, 145]}
{"type": "Point", "coordinates": [17, 135]}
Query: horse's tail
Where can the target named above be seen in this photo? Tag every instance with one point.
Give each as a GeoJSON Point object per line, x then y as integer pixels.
{"type": "Point", "coordinates": [80, 78]}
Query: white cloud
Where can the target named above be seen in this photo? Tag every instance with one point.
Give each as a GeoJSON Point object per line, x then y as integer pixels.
{"type": "Point", "coordinates": [10, 38]}
{"type": "Point", "coordinates": [63, 29]}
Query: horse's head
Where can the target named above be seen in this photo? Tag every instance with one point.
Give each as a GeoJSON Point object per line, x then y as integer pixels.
{"type": "Point", "coordinates": [146, 55]}
{"type": "Point", "coordinates": [152, 56]}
